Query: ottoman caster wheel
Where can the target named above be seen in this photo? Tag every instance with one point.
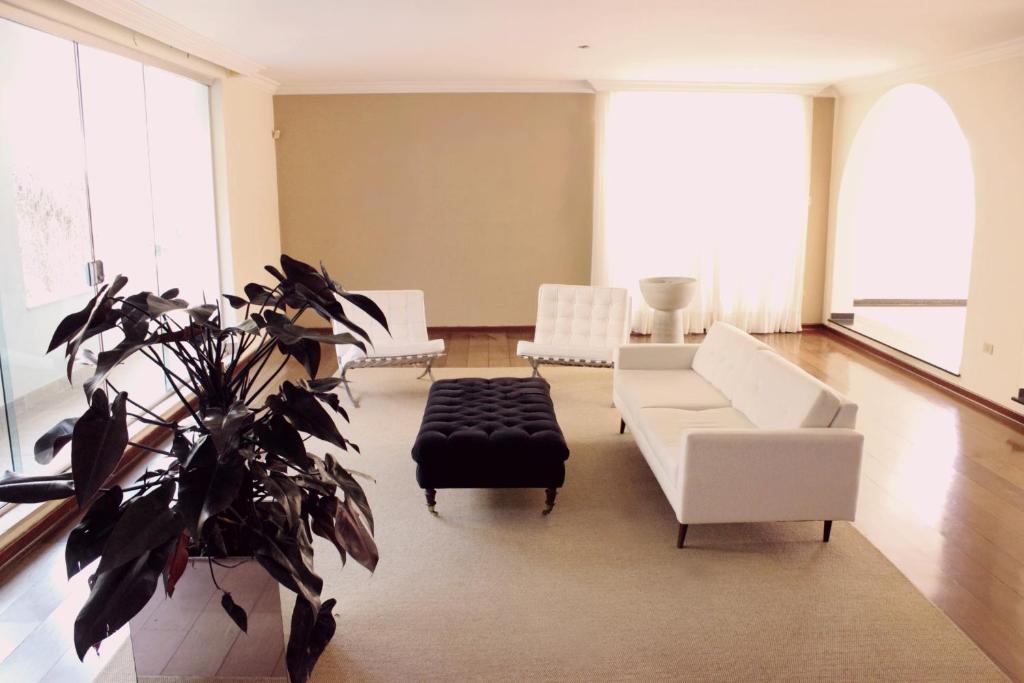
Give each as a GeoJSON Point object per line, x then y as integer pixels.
{"type": "Point", "coordinates": [431, 501]}
{"type": "Point", "coordinates": [549, 501]}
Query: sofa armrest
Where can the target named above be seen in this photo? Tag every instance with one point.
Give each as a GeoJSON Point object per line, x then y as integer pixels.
{"type": "Point", "coordinates": [769, 475]}
{"type": "Point", "coordinates": [655, 356]}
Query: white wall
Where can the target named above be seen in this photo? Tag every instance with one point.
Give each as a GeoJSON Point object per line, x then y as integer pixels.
{"type": "Point", "coordinates": [245, 176]}
{"type": "Point", "coordinates": [987, 101]}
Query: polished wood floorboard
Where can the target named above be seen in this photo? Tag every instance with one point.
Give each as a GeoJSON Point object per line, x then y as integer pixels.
{"type": "Point", "coordinates": [942, 496]}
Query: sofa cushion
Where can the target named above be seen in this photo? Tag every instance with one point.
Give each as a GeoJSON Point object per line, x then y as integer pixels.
{"type": "Point", "coordinates": [666, 427]}
{"type": "Point", "coordinates": [724, 357]}
{"type": "Point", "coordinates": [667, 389]}
{"type": "Point", "coordinates": [778, 395]}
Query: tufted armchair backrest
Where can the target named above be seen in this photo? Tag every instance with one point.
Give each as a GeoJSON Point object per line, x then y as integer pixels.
{"type": "Point", "coordinates": [577, 315]}
{"type": "Point", "coordinates": [405, 313]}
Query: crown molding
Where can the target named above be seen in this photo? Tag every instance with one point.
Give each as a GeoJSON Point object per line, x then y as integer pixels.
{"type": "Point", "coordinates": [401, 87]}
{"type": "Point", "coordinates": [268, 85]}
{"type": "Point", "coordinates": [809, 89]}
{"type": "Point", "coordinates": [958, 62]}
{"type": "Point", "coordinates": [141, 19]}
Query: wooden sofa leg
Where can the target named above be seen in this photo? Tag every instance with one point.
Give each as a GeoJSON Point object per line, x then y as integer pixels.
{"type": "Point", "coordinates": [431, 500]}
{"type": "Point", "coordinates": [682, 535]}
{"type": "Point", "coordinates": [828, 531]}
{"type": "Point", "coordinates": [549, 500]}
{"type": "Point", "coordinates": [622, 426]}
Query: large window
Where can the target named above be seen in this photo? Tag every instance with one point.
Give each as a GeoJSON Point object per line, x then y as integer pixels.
{"type": "Point", "coordinates": [712, 186]}
{"type": "Point", "coordinates": [103, 160]}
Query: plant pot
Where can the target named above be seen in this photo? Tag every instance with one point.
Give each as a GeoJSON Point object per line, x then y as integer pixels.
{"type": "Point", "coordinates": [190, 634]}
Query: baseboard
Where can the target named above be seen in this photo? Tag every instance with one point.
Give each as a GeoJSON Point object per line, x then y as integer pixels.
{"type": "Point", "coordinates": [452, 329]}
{"type": "Point", "coordinates": [812, 327]}
{"type": "Point", "coordinates": [958, 392]}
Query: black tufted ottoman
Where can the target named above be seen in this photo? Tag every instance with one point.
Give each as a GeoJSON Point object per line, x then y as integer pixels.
{"type": "Point", "coordinates": [490, 433]}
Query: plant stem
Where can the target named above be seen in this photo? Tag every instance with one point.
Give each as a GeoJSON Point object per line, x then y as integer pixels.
{"type": "Point", "coordinates": [151, 450]}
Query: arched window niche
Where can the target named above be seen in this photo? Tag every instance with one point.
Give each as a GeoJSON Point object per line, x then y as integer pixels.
{"type": "Point", "coordinates": [905, 228]}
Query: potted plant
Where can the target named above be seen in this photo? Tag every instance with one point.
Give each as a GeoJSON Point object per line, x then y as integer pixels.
{"type": "Point", "coordinates": [239, 480]}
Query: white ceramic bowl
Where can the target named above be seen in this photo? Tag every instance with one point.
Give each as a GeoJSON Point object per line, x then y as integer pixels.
{"type": "Point", "coordinates": [668, 293]}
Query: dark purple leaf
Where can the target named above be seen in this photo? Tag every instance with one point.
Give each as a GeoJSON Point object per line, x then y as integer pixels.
{"type": "Point", "coordinates": [86, 541]}
{"type": "Point", "coordinates": [236, 613]}
{"type": "Point", "coordinates": [323, 384]}
{"type": "Point", "coordinates": [311, 630]}
{"type": "Point", "coordinates": [225, 427]}
{"type": "Point", "coordinates": [306, 351]}
{"type": "Point", "coordinates": [146, 522]}
{"type": "Point", "coordinates": [15, 488]}
{"type": "Point", "coordinates": [207, 485]}
{"type": "Point", "coordinates": [368, 306]}
{"type": "Point", "coordinates": [97, 444]}
{"type": "Point", "coordinates": [201, 314]}
{"type": "Point", "coordinates": [235, 301]}
{"type": "Point", "coordinates": [157, 305]}
{"type": "Point", "coordinates": [304, 411]}
{"type": "Point", "coordinates": [279, 437]}
{"type": "Point", "coordinates": [106, 361]}
{"type": "Point", "coordinates": [98, 321]}
{"type": "Point", "coordinates": [117, 596]}
{"type": "Point", "coordinates": [288, 558]}
{"type": "Point", "coordinates": [283, 330]}
{"type": "Point", "coordinates": [259, 295]}
{"type": "Point", "coordinates": [71, 325]}
{"type": "Point", "coordinates": [275, 272]}
{"type": "Point", "coordinates": [349, 533]}
{"type": "Point", "coordinates": [286, 492]}
{"type": "Point", "coordinates": [347, 483]}
{"type": "Point", "coordinates": [50, 443]}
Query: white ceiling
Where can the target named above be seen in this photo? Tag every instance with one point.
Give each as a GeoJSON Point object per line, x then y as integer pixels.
{"type": "Point", "coordinates": [326, 42]}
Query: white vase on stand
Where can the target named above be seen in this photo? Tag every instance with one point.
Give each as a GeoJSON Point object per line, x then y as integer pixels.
{"type": "Point", "coordinates": [668, 296]}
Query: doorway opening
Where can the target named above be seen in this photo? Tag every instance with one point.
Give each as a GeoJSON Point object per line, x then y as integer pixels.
{"type": "Point", "coordinates": [905, 228]}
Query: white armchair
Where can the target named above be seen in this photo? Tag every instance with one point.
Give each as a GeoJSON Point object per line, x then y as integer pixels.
{"type": "Point", "coordinates": [577, 325]}
{"type": "Point", "coordinates": [407, 343]}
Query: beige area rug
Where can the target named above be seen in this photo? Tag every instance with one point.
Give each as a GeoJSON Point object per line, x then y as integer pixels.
{"type": "Point", "coordinates": [493, 591]}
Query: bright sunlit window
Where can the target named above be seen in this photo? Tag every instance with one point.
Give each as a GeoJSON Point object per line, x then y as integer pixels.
{"type": "Point", "coordinates": [906, 227]}
{"type": "Point", "coordinates": [712, 186]}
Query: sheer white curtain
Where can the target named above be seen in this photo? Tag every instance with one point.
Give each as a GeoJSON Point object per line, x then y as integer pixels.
{"type": "Point", "coordinates": [708, 185]}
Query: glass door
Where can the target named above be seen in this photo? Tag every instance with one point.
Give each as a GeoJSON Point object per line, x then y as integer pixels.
{"type": "Point", "coordinates": [117, 164]}
{"type": "Point", "coordinates": [44, 230]}
{"type": "Point", "coordinates": [103, 160]}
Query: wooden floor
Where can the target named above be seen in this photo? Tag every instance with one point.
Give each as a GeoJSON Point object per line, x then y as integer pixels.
{"type": "Point", "coordinates": [942, 496]}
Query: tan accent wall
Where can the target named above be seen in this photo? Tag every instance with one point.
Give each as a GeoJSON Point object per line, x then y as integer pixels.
{"type": "Point", "coordinates": [476, 199]}
{"type": "Point", "coordinates": [823, 115]}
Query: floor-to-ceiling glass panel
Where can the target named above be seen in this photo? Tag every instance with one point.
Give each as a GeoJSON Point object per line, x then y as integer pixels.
{"type": "Point", "coordinates": [117, 159]}
{"type": "Point", "coordinates": [44, 228]}
{"type": "Point", "coordinates": [7, 437]}
{"type": "Point", "coordinates": [181, 166]}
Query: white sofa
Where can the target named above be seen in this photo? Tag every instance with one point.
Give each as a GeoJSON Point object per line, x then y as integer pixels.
{"type": "Point", "coordinates": [735, 433]}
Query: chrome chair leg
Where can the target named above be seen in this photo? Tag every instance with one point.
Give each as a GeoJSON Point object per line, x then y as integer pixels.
{"type": "Point", "coordinates": [428, 371]}
{"type": "Point", "coordinates": [348, 389]}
